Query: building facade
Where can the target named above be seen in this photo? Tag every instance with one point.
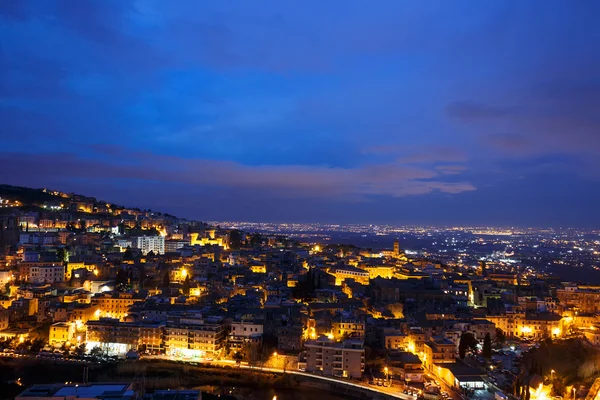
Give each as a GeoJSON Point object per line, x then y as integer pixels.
{"type": "Point", "coordinates": [345, 359]}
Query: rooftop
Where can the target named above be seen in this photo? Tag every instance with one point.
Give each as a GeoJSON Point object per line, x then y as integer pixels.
{"type": "Point", "coordinates": [90, 391]}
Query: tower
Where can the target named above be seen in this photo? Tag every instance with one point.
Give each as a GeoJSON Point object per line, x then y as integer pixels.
{"type": "Point", "coordinates": [482, 269]}
{"type": "Point", "coordinates": [396, 247]}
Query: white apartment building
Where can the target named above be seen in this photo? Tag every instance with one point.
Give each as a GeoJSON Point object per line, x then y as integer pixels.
{"type": "Point", "coordinates": [146, 244]}
{"type": "Point", "coordinates": [243, 332]}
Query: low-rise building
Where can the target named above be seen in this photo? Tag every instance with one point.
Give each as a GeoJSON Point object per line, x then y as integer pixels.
{"type": "Point", "coordinates": [536, 326]}
{"type": "Point", "coordinates": [395, 340]}
{"type": "Point", "coordinates": [91, 391]}
{"type": "Point", "coordinates": [49, 273]}
{"type": "Point", "coordinates": [61, 332]}
{"type": "Point", "coordinates": [119, 337]}
{"type": "Point", "coordinates": [348, 328]}
{"type": "Point", "coordinates": [438, 351]}
{"type": "Point", "coordinates": [404, 366]}
{"type": "Point", "coordinates": [114, 304]}
{"type": "Point", "coordinates": [341, 273]}
{"type": "Point", "coordinates": [245, 332]}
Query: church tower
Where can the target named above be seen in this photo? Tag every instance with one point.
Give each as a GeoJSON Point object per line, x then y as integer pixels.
{"type": "Point", "coordinates": [396, 247]}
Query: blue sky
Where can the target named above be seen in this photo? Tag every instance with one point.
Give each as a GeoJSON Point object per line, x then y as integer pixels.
{"type": "Point", "coordinates": [438, 112]}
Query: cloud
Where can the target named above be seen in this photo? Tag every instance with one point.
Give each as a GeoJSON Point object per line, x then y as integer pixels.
{"type": "Point", "coordinates": [450, 169]}
{"type": "Point", "coordinates": [468, 111]}
{"type": "Point", "coordinates": [284, 181]}
{"type": "Point", "coordinates": [407, 154]}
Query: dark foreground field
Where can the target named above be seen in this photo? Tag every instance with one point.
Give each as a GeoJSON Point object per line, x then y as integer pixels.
{"type": "Point", "coordinates": [242, 384]}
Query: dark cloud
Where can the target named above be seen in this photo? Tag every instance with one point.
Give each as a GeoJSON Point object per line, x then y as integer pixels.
{"type": "Point", "coordinates": [282, 181]}
{"type": "Point", "coordinates": [466, 111]}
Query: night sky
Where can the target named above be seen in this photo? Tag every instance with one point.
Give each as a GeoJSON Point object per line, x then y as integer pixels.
{"type": "Point", "coordinates": [400, 112]}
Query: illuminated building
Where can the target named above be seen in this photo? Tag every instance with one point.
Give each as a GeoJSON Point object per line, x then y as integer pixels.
{"type": "Point", "coordinates": [119, 337]}
{"type": "Point", "coordinates": [416, 341]}
{"type": "Point", "coordinates": [584, 299]}
{"type": "Point", "coordinates": [404, 366]}
{"type": "Point", "coordinates": [346, 328]}
{"type": "Point", "coordinates": [28, 220]}
{"type": "Point", "coordinates": [342, 273]}
{"type": "Point", "coordinates": [258, 267]}
{"type": "Point", "coordinates": [60, 333]}
{"type": "Point", "coordinates": [146, 244]}
{"type": "Point", "coordinates": [378, 270]}
{"type": "Point", "coordinates": [438, 351]}
{"type": "Point", "coordinates": [5, 277]}
{"type": "Point", "coordinates": [114, 305]}
{"type": "Point", "coordinates": [243, 332]}
{"type": "Point", "coordinates": [592, 334]}
{"type": "Point", "coordinates": [510, 279]}
{"type": "Point", "coordinates": [394, 339]}
{"type": "Point", "coordinates": [482, 270]}
{"type": "Point", "coordinates": [194, 336]}
{"type": "Point", "coordinates": [346, 359]}
{"type": "Point", "coordinates": [82, 312]}
{"type": "Point", "coordinates": [71, 266]}
{"type": "Point", "coordinates": [4, 318]}
{"type": "Point", "coordinates": [459, 375]}
{"type": "Point", "coordinates": [537, 326]}
{"type": "Point", "coordinates": [209, 239]}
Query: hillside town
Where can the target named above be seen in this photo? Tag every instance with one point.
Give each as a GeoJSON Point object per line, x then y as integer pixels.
{"type": "Point", "coordinates": [85, 279]}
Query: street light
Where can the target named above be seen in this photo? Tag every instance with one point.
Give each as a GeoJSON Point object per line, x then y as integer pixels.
{"type": "Point", "coordinates": [552, 374]}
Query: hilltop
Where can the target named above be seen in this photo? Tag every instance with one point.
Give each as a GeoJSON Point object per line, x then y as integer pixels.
{"type": "Point", "coordinates": [54, 200]}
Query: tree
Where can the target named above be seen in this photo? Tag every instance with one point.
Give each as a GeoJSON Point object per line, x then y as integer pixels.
{"type": "Point", "coordinates": [256, 239]}
{"type": "Point", "coordinates": [235, 239]}
{"type": "Point", "coordinates": [500, 336]}
{"type": "Point", "coordinates": [80, 350]}
{"type": "Point", "coordinates": [238, 357]}
{"type": "Point", "coordinates": [96, 351]}
{"type": "Point", "coordinates": [37, 345]}
{"type": "Point", "coordinates": [467, 341]}
{"type": "Point", "coordinates": [122, 278]}
{"type": "Point", "coordinates": [487, 346]}
{"type": "Point", "coordinates": [127, 255]}
{"type": "Point", "coordinates": [166, 280]}
{"type": "Point", "coordinates": [61, 254]}
{"type": "Point", "coordinates": [186, 285]}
